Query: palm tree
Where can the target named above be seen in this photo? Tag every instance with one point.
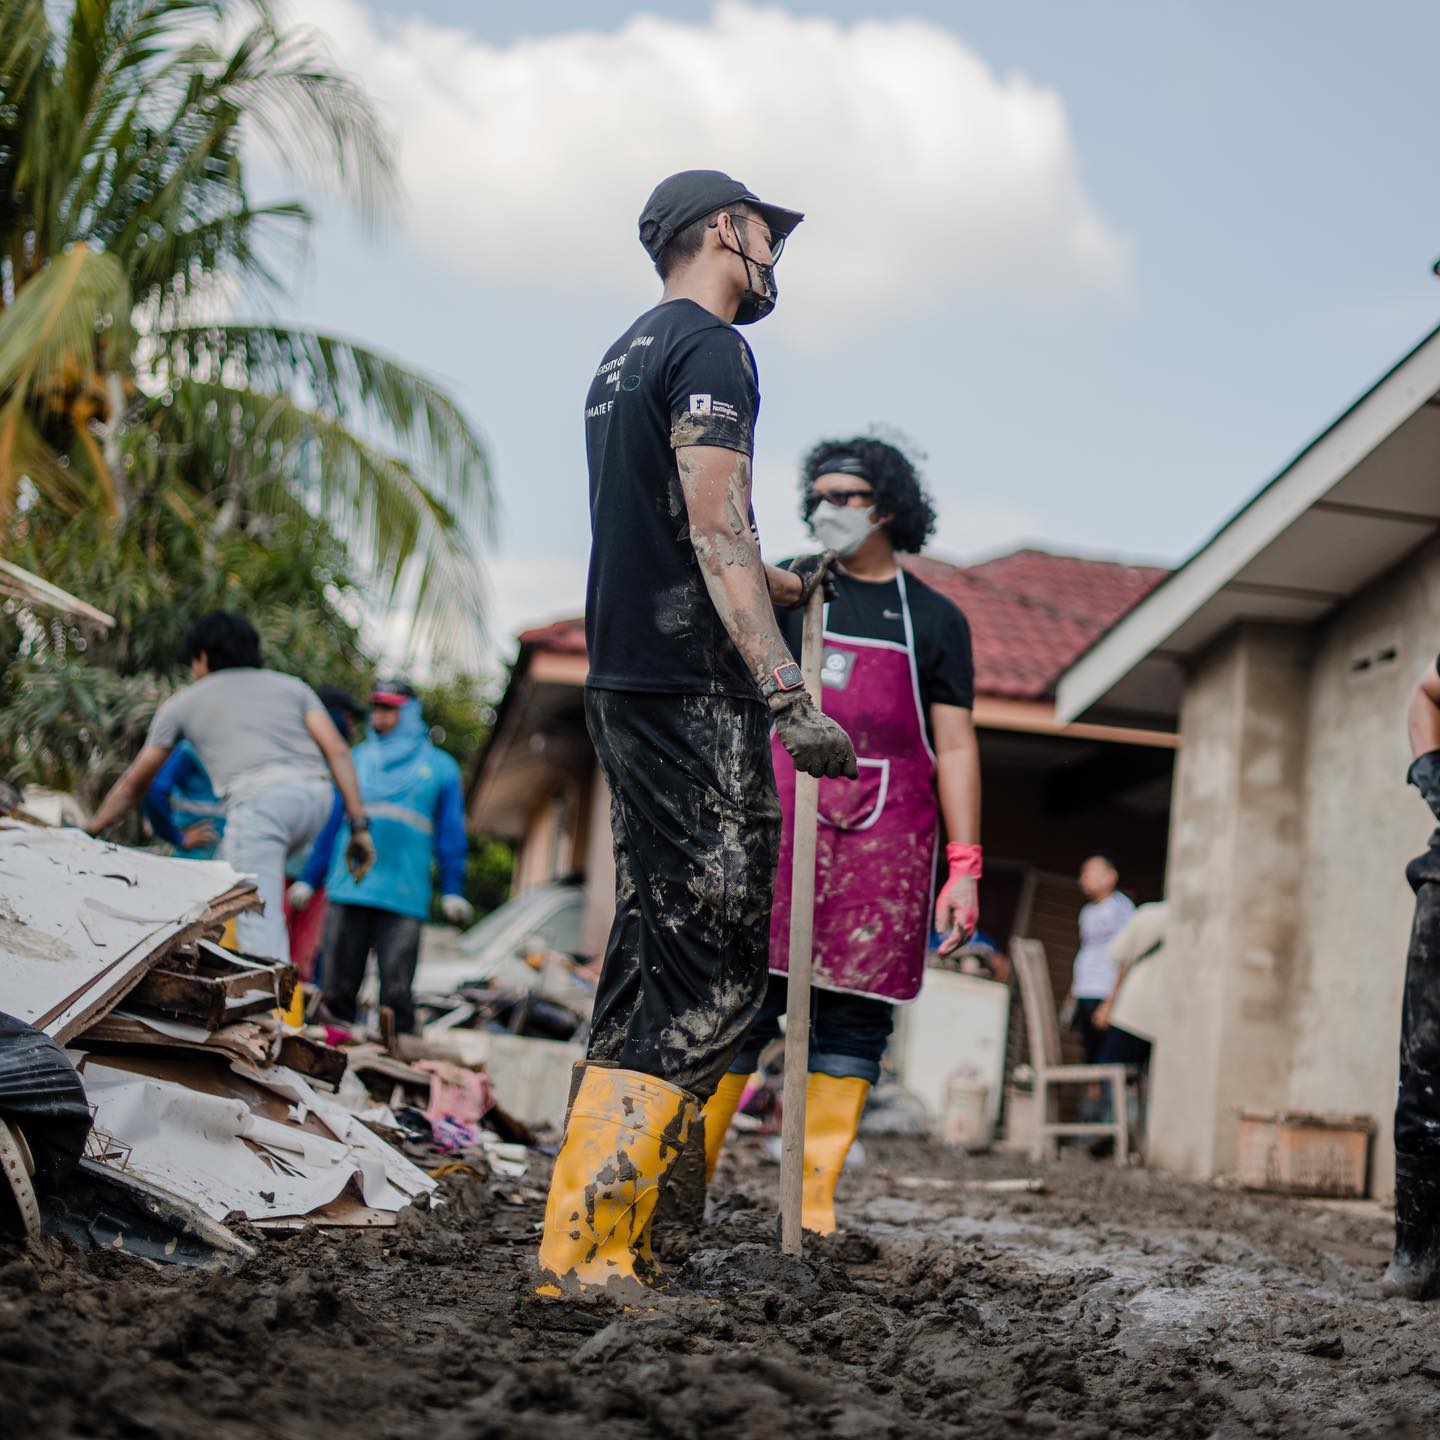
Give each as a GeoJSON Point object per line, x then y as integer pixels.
{"type": "Point", "coordinates": [126, 227]}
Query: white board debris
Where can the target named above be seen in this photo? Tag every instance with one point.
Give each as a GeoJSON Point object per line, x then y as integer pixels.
{"type": "Point", "coordinates": [80, 919]}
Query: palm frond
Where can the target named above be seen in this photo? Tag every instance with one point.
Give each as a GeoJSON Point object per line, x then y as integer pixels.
{"type": "Point", "coordinates": [48, 336]}
{"type": "Point", "coordinates": [25, 455]}
{"type": "Point", "coordinates": [178, 261]}
{"type": "Point", "coordinates": [359, 387]}
{"type": "Point", "coordinates": [318, 121]}
{"type": "Point", "coordinates": [262, 455]}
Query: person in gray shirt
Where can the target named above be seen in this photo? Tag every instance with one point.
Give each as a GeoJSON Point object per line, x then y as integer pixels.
{"type": "Point", "coordinates": [271, 750]}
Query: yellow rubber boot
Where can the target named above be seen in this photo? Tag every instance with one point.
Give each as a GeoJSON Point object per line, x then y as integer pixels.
{"type": "Point", "coordinates": [625, 1132]}
{"type": "Point", "coordinates": [832, 1116]}
{"type": "Point", "coordinates": [718, 1112]}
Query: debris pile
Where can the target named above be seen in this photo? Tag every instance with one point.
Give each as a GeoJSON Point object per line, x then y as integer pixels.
{"type": "Point", "coordinates": [83, 922]}
{"type": "Point", "coordinates": [208, 1109]}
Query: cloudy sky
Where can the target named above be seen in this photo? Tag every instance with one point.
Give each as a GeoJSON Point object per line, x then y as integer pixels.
{"type": "Point", "coordinates": [1108, 265]}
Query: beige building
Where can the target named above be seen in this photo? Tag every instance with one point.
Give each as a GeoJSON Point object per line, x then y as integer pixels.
{"type": "Point", "coordinates": [1284, 652]}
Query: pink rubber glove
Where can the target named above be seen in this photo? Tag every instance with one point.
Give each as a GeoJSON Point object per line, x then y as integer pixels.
{"type": "Point", "coordinates": [957, 908]}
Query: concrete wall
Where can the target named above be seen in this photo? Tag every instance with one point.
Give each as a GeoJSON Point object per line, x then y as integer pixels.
{"type": "Point", "coordinates": [1361, 824]}
{"type": "Point", "coordinates": [1234, 873]}
{"type": "Point", "coordinates": [1290, 830]}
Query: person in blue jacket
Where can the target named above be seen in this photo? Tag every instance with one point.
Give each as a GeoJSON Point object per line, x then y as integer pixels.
{"type": "Point", "coordinates": [411, 791]}
{"type": "Point", "coordinates": [182, 806]}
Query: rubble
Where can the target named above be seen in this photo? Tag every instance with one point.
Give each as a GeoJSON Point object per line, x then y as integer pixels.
{"type": "Point", "coordinates": [83, 922]}
{"type": "Point", "coordinates": [209, 1110]}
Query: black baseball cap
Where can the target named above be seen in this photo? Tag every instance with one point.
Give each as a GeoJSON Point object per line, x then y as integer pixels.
{"type": "Point", "coordinates": [686, 197]}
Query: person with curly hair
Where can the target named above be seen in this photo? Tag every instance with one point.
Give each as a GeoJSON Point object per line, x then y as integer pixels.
{"type": "Point", "coordinates": [898, 675]}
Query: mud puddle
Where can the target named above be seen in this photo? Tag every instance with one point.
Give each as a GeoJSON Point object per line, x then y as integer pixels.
{"type": "Point", "coordinates": [1123, 1304]}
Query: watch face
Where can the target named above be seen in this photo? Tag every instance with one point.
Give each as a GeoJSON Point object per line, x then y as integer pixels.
{"type": "Point", "coordinates": [790, 676]}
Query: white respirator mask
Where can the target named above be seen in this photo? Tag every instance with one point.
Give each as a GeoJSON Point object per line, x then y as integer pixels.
{"type": "Point", "coordinates": [842, 528]}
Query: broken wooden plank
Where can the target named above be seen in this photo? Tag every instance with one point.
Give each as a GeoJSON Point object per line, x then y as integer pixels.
{"type": "Point", "coordinates": [313, 1059]}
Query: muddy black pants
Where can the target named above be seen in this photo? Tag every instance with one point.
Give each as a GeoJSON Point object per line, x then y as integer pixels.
{"type": "Point", "coordinates": [696, 823]}
{"type": "Point", "coordinates": [351, 933]}
{"type": "Point", "coordinates": [1417, 1106]}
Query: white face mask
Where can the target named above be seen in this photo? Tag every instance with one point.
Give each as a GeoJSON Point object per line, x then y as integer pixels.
{"type": "Point", "coordinates": [842, 528]}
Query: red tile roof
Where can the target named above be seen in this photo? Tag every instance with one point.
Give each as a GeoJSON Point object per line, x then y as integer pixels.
{"type": "Point", "coordinates": [1031, 614]}
{"type": "Point", "coordinates": [563, 637]}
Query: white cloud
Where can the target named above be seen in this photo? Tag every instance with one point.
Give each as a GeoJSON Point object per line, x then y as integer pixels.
{"type": "Point", "coordinates": [530, 590]}
{"type": "Point", "coordinates": [923, 173]}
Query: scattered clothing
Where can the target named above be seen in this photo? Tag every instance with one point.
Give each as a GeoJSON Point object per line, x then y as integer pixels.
{"type": "Point", "coordinates": [1100, 922]}
{"type": "Point", "coordinates": [457, 1092]}
{"type": "Point", "coordinates": [181, 796]}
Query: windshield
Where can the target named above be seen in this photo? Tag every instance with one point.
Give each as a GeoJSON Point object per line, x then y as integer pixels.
{"type": "Point", "coordinates": [524, 909]}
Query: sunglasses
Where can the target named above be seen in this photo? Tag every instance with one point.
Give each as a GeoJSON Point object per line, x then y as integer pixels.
{"type": "Point", "coordinates": [775, 243]}
{"type": "Point", "coordinates": [838, 497]}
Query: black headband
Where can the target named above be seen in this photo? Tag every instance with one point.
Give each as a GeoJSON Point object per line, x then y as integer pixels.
{"type": "Point", "coordinates": [844, 465]}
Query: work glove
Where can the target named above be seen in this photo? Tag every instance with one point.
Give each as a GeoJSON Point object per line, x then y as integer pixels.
{"type": "Point", "coordinates": [814, 570]}
{"type": "Point", "coordinates": [300, 895]}
{"type": "Point", "coordinates": [1424, 775]}
{"type": "Point", "coordinates": [360, 852]}
{"type": "Point", "coordinates": [957, 907]}
{"type": "Point", "coordinates": [457, 910]}
{"type": "Point", "coordinates": [817, 745]}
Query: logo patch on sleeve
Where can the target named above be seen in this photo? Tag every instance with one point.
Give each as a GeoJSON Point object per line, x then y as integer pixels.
{"type": "Point", "coordinates": [717, 409]}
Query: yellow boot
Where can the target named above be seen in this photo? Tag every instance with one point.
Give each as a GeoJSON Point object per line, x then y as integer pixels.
{"type": "Point", "coordinates": [832, 1116]}
{"type": "Point", "coordinates": [718, 1112]}
{"type": "Point", "coordinates": [624, 1133]}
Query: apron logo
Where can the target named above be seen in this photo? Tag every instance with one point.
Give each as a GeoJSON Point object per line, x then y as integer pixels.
{"type": "Point", "coordinates": [835, 668]}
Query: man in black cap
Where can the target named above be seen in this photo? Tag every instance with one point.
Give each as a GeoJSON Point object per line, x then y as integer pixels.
{"type": "Point", "coordinates": [688, 671]}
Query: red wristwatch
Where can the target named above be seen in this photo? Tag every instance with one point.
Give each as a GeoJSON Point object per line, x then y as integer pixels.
{"type": "Point", "coordinates": [783, 679]}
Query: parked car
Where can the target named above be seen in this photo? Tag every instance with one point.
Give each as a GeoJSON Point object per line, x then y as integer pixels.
{"type": "Point", "coordinates": [530, 946]}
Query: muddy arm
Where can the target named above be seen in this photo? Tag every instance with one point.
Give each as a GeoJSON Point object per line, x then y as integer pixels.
{"type": "Point", "coordinates": [716, 485]}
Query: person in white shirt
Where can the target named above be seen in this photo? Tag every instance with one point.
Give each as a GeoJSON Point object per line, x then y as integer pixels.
{"type": "Point", "coordinates": [1101, 919]}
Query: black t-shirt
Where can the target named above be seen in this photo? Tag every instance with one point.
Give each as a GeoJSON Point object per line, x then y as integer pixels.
{"type": "Point", "coordinates": [678, 376]}
{"type": "Point", "coordinates": [870, 610]}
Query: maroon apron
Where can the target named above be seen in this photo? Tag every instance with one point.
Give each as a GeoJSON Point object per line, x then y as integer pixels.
{"type": "Point", "coordinates": [875, 850]}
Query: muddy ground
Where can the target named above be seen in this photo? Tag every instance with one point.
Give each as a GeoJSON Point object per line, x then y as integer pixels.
{"type": "Point", "coordinates": [1121, 1304]}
